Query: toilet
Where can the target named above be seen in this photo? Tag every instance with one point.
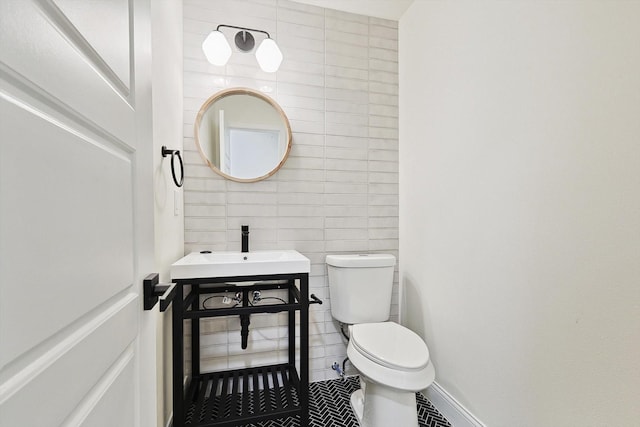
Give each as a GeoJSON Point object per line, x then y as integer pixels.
{"type": "Point", "coordinates": [393, 361]}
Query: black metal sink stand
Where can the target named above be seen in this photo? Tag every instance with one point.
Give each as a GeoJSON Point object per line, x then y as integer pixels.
{"type": "Point", "coordinates": [240, 396]}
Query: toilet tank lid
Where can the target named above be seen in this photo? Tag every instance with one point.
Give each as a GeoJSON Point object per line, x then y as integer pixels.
{"type": "Point", "coordinates": [361, 260]}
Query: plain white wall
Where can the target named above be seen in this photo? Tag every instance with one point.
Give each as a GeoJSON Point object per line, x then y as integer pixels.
{"type": "Point", "coordinates": [520, 205]}
{"type": "Point", "coordinates": [167, 130]}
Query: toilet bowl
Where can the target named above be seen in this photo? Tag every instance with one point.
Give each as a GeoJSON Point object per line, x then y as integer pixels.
{"type": "Point", "coordinates": [394, 364]}
{"type": "Point", "coordinates": [392, 360]}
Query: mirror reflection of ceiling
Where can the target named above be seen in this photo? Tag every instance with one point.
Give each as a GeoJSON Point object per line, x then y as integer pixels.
{"type": "Point", "coordinates": [385, 9]}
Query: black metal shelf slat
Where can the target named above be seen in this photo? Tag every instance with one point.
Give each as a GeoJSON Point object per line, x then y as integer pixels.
{"type": "Point", "coordinates": [284, 371]}
{"type": "Point", "coordinates": [202, 389]}
{"type": "Point", "coordinates": [276, 386]}
{"type": "Point", "coordinates": [215, 378]}
{"type": "Point", "coordinates": [266, 388]}
{"type": "Point", "coordinates": [256, 391]}
{"type": "Point", "coordinates": [228, 414]}
{"type": "Point", "coordinates": [245, 393]}
{"type": "Point", "coordinates": [223, 395]}
{"type": "Point", "coordinates": [234, 394]}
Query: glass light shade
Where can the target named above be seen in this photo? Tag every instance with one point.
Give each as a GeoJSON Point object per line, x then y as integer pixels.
{"type": "Point", "coordinates": [216, 48]}
{"type": "Point", "coordinates": [269, 56]}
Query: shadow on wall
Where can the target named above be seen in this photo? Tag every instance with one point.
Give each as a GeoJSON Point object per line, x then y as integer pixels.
{"type": "Point", "coordinates": [161, 185]}
{"type": "Point", "coordinates": [412, 310]}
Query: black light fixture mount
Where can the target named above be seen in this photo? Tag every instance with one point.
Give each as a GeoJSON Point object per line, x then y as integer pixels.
{"type": "Point", "coordinates": [243, 39]}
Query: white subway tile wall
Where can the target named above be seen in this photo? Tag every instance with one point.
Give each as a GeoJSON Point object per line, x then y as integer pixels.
{"type": "Point", "coordinates": [337, 192]}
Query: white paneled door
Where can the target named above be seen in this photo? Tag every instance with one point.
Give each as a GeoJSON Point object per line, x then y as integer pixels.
{"type": "Point", "coordinates": [76, 214]}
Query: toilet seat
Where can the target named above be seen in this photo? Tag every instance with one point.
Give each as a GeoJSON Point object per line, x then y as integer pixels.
{"type": "Point", "coordinates": [391, 355]}
{"type": "Point", "coordinates": [391, 345]}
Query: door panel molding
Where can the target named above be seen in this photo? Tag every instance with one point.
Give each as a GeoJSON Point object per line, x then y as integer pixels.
{"type": "Point", "coordinates": [26, 94]}
{"type": "Point", "coordinates": [115, 385]}
{"type": "Point", "coordinates": [36, 360]}
{"type": "Point", "coordinates": [77, 366]}
{"type": "Point", "coordinates": [83, 187]}
{"type": "Point", "coordinates": [33, 47]}
{"type": "Point", "coordinates": [65, 27]}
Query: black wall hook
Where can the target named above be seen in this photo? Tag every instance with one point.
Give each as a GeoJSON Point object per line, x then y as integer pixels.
{"type": "Point", "coordinates": [174, 153]}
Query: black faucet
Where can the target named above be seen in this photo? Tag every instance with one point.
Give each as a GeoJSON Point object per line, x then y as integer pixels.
{"type": "Point", "coordinates": [245, 238]}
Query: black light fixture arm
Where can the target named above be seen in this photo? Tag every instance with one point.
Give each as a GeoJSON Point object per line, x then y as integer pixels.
{"type": "Point", "coordinates": [243, 28]}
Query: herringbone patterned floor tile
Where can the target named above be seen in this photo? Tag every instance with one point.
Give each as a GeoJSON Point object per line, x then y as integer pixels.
{"type": "Point", "coordinates": [329, 407]}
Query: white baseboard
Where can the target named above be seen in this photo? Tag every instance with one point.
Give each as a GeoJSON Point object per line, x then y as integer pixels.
{"type": "Point", "coordinates": [453, 411]}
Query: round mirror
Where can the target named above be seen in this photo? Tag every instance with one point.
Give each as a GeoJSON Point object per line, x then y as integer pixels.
{"type": "Point", "coordinates": [243, 134]}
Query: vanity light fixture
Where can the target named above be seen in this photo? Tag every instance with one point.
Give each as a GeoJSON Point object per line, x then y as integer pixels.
{"type": "Point", "coordinates": [218, 51]}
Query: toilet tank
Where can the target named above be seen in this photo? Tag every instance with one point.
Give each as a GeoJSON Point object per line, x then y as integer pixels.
{"type": "Point", "coordinates": [360, 287]}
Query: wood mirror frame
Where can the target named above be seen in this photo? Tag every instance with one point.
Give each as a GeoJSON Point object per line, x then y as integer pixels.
{"type": "Point", "coordinates": [250, 92]}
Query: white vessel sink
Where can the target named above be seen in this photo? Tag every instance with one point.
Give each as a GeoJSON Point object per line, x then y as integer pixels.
{"type": "Point", "coordinates": [229, 264]}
